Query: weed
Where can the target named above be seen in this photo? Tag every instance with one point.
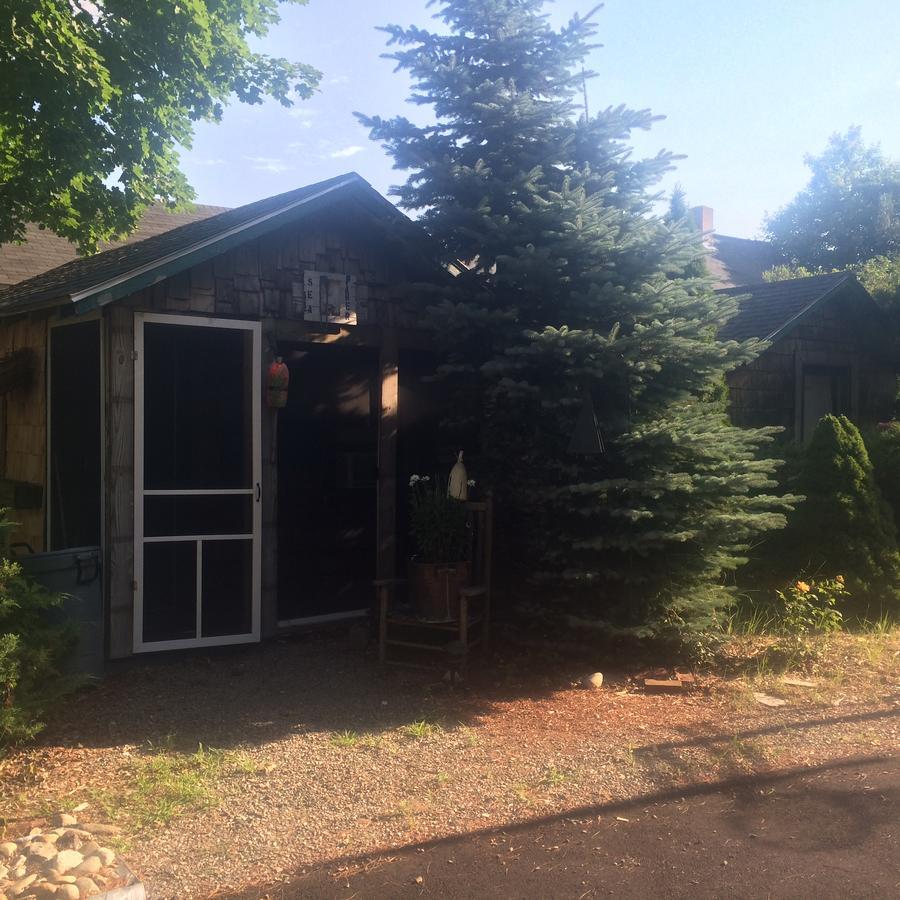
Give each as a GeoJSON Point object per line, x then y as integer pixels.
{"type": "Point", "coordinates": [344, 739]}
{"type": "Point", "coordinates": [554, 776]}
{"type": "Point", "coordinates": [522, 792]}
{"type": "Point", "coordinates": [421, 729]}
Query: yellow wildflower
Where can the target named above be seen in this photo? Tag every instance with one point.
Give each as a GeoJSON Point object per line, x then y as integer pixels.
{"type": "Point", "coordinates": [839, 579]}
{"type": "Point", "coordinates": [803, 586]}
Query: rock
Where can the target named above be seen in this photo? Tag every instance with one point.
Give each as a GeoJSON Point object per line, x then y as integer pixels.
{"type": "Point", "coordinates": [3, 873]}
{"type": "Point", "coordinates": [68, 859]}
{"type": "Point", "coordinates": [8, 850]}
{"type": "Point", "coordinates": [768, 700]}
{"type": "Point", "coordinates": [107, 857]}
{"type": "Point", "coordinates": [41, 851]}
{"type": "Point", "coordinates": [798, 682]}
{"type": "Point", "coordinates": [86, 887]}
{"type": "Point", "coordinates": [45, 891]}
{"type": "Point", "coordinates": [17, 872]}
{"type": "Point", "coordinates": [57, 878]}
{"type": "Point", "coordinates": [593, 682]}
{"type": "Point", "coordinates": [89, 867]}
{"type": "Point", "coordinates": [69, 840]}
{"type": "Point", "coordinates": [63, 820]}
{"type": "Point", "coordinates": [22, 885]}
{"type": "Point", "coordinates": [68, 892]}
{"type": "Point", "coordinates": [49, 837]}
{"type": "Point", "coordinates": [89, 848]}
{"type": "Point", "coordinates": [33, 832]}
{"type": "Point", "coordinates": [97, 828]}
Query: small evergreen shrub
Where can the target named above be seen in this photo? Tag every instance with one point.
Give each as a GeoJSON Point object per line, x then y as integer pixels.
{"type": "Point", "coordinates": [844, 524]}
{"type": "Point", "coordinates": [31, 648]}
{"type": "Point", "coordinates": [883, 446]}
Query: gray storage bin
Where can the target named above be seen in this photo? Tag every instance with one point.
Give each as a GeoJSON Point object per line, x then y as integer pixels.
{"type": "Point", "coordinates": [76, 574]}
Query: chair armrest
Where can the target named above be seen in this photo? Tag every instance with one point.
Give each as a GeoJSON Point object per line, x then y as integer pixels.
{"type": "Point", "coordinates": [476, 591]}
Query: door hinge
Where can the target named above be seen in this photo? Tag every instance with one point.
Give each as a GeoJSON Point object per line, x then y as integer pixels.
{"type": "Point", "coordinates": [134, 586]}
{"type": "Point", "coordinates": [134, 354]}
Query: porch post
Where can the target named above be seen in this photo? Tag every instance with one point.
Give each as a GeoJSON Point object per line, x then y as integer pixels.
{"type": "Point", "coordinates": [387, 456]}
{"type": "Point", "coordinates": [120, 486]}
{"type": "Point", "coordinates": [269, 472]}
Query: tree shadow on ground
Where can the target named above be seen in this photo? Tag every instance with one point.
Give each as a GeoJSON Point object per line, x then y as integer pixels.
{"type": "Point", "coordinates": [782, 825]}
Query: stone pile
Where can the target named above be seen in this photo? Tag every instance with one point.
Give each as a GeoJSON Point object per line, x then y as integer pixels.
{"type": "Point", "coordinates": [64, 862]}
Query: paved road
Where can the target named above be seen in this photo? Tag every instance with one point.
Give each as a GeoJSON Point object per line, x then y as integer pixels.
{"type": "Point", "coordinates": [830, 832]}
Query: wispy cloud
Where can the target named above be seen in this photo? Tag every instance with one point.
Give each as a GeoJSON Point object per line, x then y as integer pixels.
{"type": "Point", "coordinates": [339, 79]}
{"type": "Point", "coordinates": [304, 115]}
{"type": "Point", "coordinates": [211, 162]}
{"type": "Point", "coordinates": [344, 152]}
{"type": "Point", "coordinates": [268, 164]}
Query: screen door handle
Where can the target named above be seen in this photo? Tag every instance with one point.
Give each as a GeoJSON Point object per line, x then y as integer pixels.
{"type": "Point", "coordinates": [258, 492]}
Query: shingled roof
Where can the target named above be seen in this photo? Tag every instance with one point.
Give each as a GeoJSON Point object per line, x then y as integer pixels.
{"type": "Point", "coordinates": [734, 261]}
{"type": "Point", "coordinates": [768, 310]}
{"type": "Point", "coordinates": [96, 280]}
{"type": "Point", "coordinates": [43, 250]}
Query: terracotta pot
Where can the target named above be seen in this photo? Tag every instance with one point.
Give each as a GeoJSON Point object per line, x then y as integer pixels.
{"type": "Point", "coordinates": [435, 587]}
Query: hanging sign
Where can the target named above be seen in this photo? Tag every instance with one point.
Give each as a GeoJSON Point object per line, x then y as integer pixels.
{"type": "Point", "coordinates": [329, 297]}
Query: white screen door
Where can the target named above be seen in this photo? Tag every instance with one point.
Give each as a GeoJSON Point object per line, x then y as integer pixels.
{"type": "Point", "coordinates": [197, 488]}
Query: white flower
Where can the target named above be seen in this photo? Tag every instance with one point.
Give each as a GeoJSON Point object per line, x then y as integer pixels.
{"type": "Point", "coordinates": [471, 482]}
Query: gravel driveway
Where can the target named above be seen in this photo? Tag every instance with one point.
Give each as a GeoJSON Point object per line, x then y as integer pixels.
{"type": "Point", "coordinates": [338, 759]}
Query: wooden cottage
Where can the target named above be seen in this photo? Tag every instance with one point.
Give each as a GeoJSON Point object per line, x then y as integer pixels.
{"type": "Point", "coordinates": [830, 351]}
{"type": "Point", "coordinates": [137, 415]}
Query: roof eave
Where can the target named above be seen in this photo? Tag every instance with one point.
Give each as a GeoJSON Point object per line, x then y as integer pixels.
{"type": "Point", "coordinates": [794, 321]}
{"type": "Point", "coordinates": [173, 263]}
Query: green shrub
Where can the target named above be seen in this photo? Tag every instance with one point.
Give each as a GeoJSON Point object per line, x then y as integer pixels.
{"type": "Point", "coordinates": [844, 524]}
{"type": "Point", "coordinates": [31, 648]}
{"type": "Point", "coordinates": [883, 446]}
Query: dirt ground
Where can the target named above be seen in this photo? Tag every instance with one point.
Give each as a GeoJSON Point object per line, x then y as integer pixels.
{"type": "Point", "coordinates": [320, 757]}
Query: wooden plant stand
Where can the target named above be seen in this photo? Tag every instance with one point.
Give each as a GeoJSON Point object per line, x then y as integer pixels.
{"type": "Point", "coordinates": [452, 640]}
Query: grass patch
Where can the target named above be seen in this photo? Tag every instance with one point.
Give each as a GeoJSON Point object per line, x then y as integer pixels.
{"type": "Point", "coordinates": [165, 784]}
{"type": "Point", "coordinates": [421, 729]}
{"type": "Point", "coordinates": [554, 776]}
{"type": "Point", "coordinates": [344, 739]}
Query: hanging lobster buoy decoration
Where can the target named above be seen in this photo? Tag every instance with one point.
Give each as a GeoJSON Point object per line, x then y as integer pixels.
{"type": "Point", "coordinates": [458, 483]}
{"type": "Point", "coordinates": [277, 386]}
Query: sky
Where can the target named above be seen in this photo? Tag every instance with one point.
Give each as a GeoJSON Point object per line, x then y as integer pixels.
{"type": "Point", "coordinates": [747, 87]}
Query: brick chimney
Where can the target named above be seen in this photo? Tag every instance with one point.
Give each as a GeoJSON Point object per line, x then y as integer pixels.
{"type": "Point", "coordinates": [702, 217]}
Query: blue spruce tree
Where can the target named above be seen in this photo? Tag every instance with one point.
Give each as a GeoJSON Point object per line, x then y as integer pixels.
{"type": "Point", "coordinates": [575, 298]}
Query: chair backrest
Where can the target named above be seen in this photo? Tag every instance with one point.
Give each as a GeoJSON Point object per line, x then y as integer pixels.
{"type": "Point", "coordinates": [480, 514]}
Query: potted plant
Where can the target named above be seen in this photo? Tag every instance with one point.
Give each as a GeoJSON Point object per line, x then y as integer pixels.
{"type": "Point", "coordinates": [439, 569]}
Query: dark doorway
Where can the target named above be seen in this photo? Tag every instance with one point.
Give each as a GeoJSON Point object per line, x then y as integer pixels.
{"type": "Point", "coordinates": [327, 482]}
{"type": "Point", "coordinates": [75, 439]}
{"type": "Point", "coordinates": [826, 391]}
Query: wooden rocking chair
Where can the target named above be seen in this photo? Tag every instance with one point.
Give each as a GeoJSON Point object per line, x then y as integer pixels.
{"type": "Point", "coordinates": [402, 628]}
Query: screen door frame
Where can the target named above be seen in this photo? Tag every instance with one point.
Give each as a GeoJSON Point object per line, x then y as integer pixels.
{"type": "Point", "coordinates": [141, 646]}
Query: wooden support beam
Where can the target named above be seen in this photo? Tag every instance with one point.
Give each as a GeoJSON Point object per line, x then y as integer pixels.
{"type": "Point", "coordinates": [120, 479]}
{"type": "Point", "coordinates": [388, 423]}
{"type": "Point", "coordinates": [299, 332]}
